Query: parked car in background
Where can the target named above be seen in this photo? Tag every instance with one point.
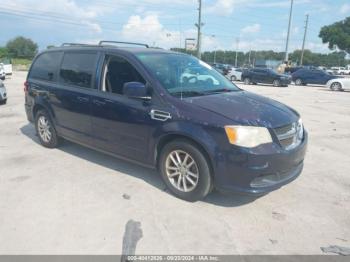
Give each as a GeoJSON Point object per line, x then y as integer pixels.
{"type": "Point", "coordinates": [235, 74]}
{"type": "Point", "coordinates": [132, 103]}
{"type": "Point", "coordinates": [7, 63]}
{"type": "Point", "coordinates": [291, 70]}
{"type": "Point", "coordinates": [339, 84]}
{"type": "Point", "coordinates": [196, 74]}
{"type": "Point", "coordinates": [311, 76]}
{"type": "Point", "coordinates": [265, 76]}
{"type": "Point", "coordinates": [2, 72]}
{"type": "Point", "coordinates": [224, 68]}
{"type": "Point", "coordinates": [343, 71]}
{"type": "Point", "coordinates": [3, 93]}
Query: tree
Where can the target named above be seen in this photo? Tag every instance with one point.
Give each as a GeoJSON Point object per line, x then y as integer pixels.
{"type": "Point", "coordinates": [3, 52]}
{"type": "Point", "coordinates": [337, 35]}
{"type": "Point", "coordinates": [22, 47]}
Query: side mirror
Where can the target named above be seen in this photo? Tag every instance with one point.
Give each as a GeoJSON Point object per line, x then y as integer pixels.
{"type": "Point", "coordinates": [136, 90]}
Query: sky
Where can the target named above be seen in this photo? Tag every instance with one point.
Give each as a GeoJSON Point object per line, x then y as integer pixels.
{"type": "Point", "coordinates": [228, 24]}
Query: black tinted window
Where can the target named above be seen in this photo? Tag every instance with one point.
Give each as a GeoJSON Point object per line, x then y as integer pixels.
{"type": "Point", "coordinates": [46, 66]}
{"type": "Point", "coordinates": [78, 68]}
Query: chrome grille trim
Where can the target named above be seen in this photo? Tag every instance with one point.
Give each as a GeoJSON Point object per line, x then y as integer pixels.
{"type": "Point", "coordinates": [289, 135]}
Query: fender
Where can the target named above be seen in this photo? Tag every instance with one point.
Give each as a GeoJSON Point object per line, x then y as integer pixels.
{"type": "Point", "coordinates": [40, 101]}
{"type": "Point", "coordinates": [193, 131]}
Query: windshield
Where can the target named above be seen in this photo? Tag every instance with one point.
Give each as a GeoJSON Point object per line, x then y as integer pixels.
{"type": "Point", "coordinates": [184, 75]}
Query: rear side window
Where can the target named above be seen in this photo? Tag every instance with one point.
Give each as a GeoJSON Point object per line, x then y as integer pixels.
{"type": "Point", "coordinates": [78, 69]}
{"type": "Point", "coordinates": [46, 66]}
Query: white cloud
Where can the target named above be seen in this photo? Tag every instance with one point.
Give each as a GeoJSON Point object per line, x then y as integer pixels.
{"type": "Point", "coordinates": [67, 11]}
{"type": "Point", "coordinates": [345, 9]}
{"type": "Point", "coordinates": [148, 29]}
{"type": "Point", "coordinates": [251, 29]}
{"type": "Point", "coordinates": [224, 7]}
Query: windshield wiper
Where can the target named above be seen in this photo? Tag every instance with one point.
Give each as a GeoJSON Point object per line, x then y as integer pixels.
{"type": "Point", "coordinates": [222, 90]}
{"type": "Point", "coordinates": [188, 93]}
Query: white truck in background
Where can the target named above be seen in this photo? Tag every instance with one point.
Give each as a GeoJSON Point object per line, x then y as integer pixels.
{"type": "Point", "coordinates": [341, 70]}
{"type": "Point", "coordinates": [7, 64]}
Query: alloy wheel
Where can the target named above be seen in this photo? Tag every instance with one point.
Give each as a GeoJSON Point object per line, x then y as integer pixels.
{"type": "Point", "coordinates": [44, 129]}
{"type": "Point", "coordinates": [336, 86]}
{"type": "Point", "coordinates": [182, 170]}
{"type": "Point", "coordinates": [298, 82]}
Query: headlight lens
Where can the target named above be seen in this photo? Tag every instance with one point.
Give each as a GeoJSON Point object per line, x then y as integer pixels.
{"type": "Point", "coordinates": [300, 129]}
{"type": "Point", "coordinates": [248, 136]}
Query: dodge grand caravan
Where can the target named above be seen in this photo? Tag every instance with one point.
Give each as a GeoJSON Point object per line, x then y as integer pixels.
{"type": "Point", "coordinates": [201, 132]}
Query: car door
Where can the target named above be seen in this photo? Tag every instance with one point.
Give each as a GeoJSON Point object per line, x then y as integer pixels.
{"type": "Point", "coordinates": [255, 76]}
{"type": "Point", "coordinates": [121, 125]}
{"type": "Point", "coordinates": [71, 100]}
{"type": "Point", "coordinates": [268, 77]}
{"type": "Point", "coordinates": [324, 77]}
{"type": "Point", "coordinates": [309, 76]}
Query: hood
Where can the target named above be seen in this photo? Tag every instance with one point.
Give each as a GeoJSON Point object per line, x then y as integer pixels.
{"type": "Point", "coordinates": [245, 108]}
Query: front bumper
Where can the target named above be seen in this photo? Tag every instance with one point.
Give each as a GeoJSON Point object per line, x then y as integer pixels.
{"type": "Point", "coordinates": [261, 172]}
{"type": "Point", "coordinates": [3, 96]}
{"type": "Point", "coordinates": [286, 81]}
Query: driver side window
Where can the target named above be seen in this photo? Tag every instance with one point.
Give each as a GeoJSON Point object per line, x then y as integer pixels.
{"type": "Point", "coordinates": [117, 72]}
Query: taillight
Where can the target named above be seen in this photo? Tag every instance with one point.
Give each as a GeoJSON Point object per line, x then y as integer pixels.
{"type": "Point", "coordinates": [26, 86]}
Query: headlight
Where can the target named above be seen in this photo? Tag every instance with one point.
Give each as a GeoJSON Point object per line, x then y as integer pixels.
{"type": "Point", "coordinates": [300, 129]}
{"type": "Point", "coordinates": [248, 136]}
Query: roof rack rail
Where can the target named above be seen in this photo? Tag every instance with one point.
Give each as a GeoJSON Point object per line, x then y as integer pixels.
{"type": "Point", "coordinates": [125, 43]}
{"type": "Point", "coordinates": [74, 44]}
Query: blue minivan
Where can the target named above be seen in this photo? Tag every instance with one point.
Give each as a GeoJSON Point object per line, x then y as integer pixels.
{"type": "Point", "coordinates": [168, 111]}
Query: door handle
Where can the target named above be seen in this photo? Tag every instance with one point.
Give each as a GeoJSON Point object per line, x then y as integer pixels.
{"type": "Point", "coordinates": [159, 115]}
{"type": "Point", "coordinates": [83, 99]}
{"type": "Point", "coordinates": [98, 102]}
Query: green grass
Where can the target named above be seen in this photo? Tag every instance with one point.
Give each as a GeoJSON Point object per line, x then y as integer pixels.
{"type": "Point", "coordinates": [21, 61]}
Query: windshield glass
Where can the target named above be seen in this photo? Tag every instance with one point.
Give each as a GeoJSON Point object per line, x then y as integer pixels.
{"type": "Point", "coordinates": [184, 75]}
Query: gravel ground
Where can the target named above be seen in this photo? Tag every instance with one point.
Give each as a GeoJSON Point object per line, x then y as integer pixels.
{"type": "Point", "coordinates": [73, 200]}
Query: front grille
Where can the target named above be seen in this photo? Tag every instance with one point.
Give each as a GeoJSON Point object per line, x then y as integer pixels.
{"type": "Point", "coordinates": [290, 136]}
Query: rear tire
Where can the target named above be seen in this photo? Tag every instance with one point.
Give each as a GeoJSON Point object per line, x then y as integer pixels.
{"type": "Point", "coordinates": [247, 81]}
{"type": "Point", "coordinates": [185, 170]}
{"type": "Point", "coordinates": [45, 129]}
{"type": "Point", "coordinates": [3, 102]}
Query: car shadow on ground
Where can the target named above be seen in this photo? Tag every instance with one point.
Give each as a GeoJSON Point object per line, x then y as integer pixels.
{"type": "Point", "coordinates": [331, 91]}
{"type": "Point", "coordinates": [149, 175]}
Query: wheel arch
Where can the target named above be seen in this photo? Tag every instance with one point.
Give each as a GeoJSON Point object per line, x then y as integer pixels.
{"type": "Point", "coordinates": [39, 105]}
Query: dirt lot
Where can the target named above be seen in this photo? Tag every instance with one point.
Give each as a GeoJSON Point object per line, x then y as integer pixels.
{"type": "Point", "coordinates": [73, 200]}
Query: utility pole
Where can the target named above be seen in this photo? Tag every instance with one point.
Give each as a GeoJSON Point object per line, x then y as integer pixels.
{"type": "Point", "coordinates": [289, 24]}
{"type": "Point", "coordinates": [250, 53]}
{"type": "Point", "coordinates": [237, 42]}
{"type": "Point", "coordinates": [199, 26]}
{"type": "Point", "coordinates": [305, 32]}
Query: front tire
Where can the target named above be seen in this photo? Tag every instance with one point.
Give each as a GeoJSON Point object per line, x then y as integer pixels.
{"type": "Point", "coordinates": [45, 129]}
{"type": "Point", "coordinates": [298, 82]}
{"type": "Point", "coordinates": [233, 78]}
{"type": "Point", "coordinates": [276, 83]}
{"type": "Point", "coordinates": [185, 170]}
